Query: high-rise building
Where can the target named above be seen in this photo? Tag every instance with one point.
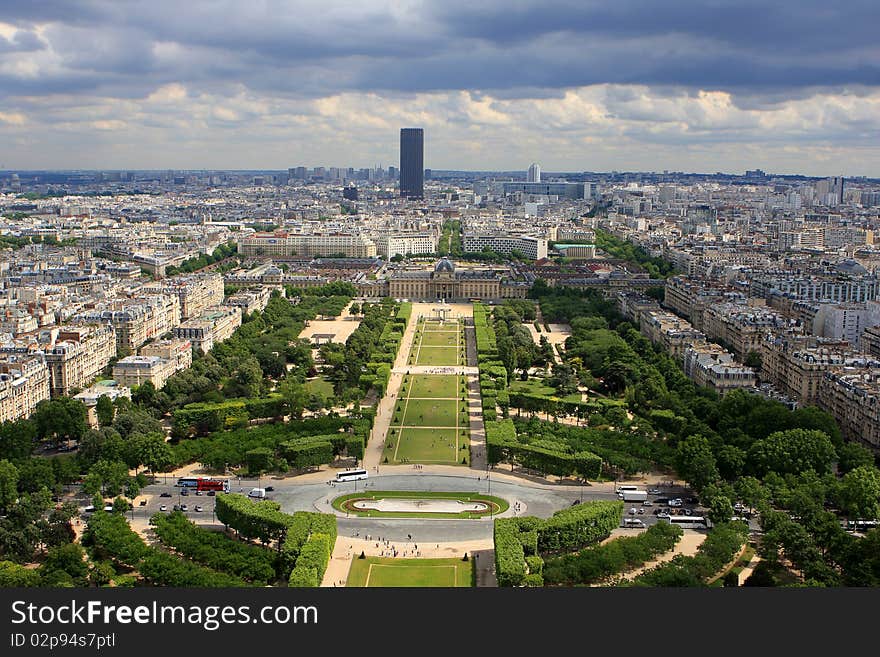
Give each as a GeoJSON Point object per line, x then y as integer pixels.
{"type": "Point", "coordinates": [412, 162]}
{"type": "Point", "coordinates": [534, 174]}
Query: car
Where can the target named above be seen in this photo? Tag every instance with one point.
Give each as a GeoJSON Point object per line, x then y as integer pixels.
{"type": "Point", "coordinates": [663, 515]}
{"type": "Point", "coordinates": [163, 507]}
{"type": "Point", "coordinates": [176, 507]}
{"type": "Point", "coordinates": [164, 494]}
{"type": "Point", "coordinates": [184, 507]}
{"type": "Point", "coordinates": [632, 511]}
{"type": "Point", "coordinates": [647, 503]}
{"type": "Point", "coordinates": [212, 493]}
{"type": "Point", "coordinates": [89, 509]}
{"type": "Point", "coordinates": [654, 491]}
{"type": "Point", "coordinates": [269, 489]}
{"type": "Point", "coordinates": [633, 522]}
{"type": "Point", "coordinates": [641, 512]}
{"type": "Point", "coordinates": [676, 502]}
{"type": "Point", "coordinates": [199, 508]}
{"type": "Point", "coordinates": [198, 492]}
{"type": "Point", "coordinates": [184, 491]}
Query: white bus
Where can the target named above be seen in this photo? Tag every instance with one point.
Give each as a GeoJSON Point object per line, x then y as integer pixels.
{"type": "Point", "coordinates": [689, 522]}
{"type": "Point", "coordinates": [351, 475]}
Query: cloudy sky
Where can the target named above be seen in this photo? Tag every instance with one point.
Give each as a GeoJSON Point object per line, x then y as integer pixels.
{"type": "Point", "coordinates": [789, 86]}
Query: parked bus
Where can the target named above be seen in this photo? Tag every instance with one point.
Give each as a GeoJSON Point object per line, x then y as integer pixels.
{"type": "Point", "coordinates": [351, 475]}
{"type": "Point", "coordinates": [861, 525]}
{"type": "Point", "coordinates": [213, 484]}
{"type": "Point", "coordinates": [688, 522]}
{"type": "Point", "coordinates": [201, 483]}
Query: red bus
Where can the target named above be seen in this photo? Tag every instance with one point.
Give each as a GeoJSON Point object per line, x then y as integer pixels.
{"type": "Point", "coordinates": [213, 484]}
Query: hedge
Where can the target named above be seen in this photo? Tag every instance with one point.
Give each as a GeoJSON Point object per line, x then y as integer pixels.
{"type": "Point", "coordinates": [310, 452]}
{"type": "Point", "coordinates": [301, 576]}
{"type": "Point", "coordinates": [214, 549]}
{"type": "Point", "coordinates": [518, 540]}
{"type": "Point", "coordinates": [510, 564]}
{"type": "Point", "coordinates": [504, 446]}
{"type": "Point", "coordinates": [720, 547]}
{"type": "Point", "coordinates": [261, 519]}
{"type": "Point", "coordinates": [576, 526]}
{"type": "Point", "coordinates": [599, 562]}
{"type": "Point", "coordinates": [304, 527]}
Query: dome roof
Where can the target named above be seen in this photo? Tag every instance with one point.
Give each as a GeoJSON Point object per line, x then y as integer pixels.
{"type": "Point", "coordinates": [444, 265]}
{"type": "Point", "coordinates": [851, 267]}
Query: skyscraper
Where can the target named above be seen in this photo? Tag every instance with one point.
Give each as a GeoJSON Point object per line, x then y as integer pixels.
{"type": "Point", "coordinates": [534, 174]}
{"type": "Point", "coordinates": [412, 162]}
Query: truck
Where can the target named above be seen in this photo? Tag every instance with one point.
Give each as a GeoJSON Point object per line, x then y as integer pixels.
{"type": "Point", "coordinates": [634, 495]}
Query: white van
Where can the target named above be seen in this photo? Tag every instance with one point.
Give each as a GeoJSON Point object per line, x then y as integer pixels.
{"type": "Point", "coordinates": [257, 493]}
{"type": "Point", "coordinates": [633, 522]}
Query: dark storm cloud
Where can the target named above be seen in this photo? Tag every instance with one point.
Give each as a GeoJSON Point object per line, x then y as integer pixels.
{"type": "Point", "coordinates": [511, 47]}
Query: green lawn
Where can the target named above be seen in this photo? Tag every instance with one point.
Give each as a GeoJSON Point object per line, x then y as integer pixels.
{"type": "Point", "coordinates": [538, 387]}
{"type": "Point", "coordinates": [440, 339]}
{"type": "Point", "coordinates": [427, 412]}
{"type": "Point", "coordinates": [427, 446]}
{"type": "Point", "coordinates": [321, 386]}
{"type": "Point", "coordinates": [343, 503]}
{"type": "Point", "coordinates": [433, 385]}
{"type": "Point", "coordinates": [437, 356]}
{"type": "Point", "coordinates": [421, 573]}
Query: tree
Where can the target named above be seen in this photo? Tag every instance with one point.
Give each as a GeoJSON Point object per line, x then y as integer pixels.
{"type": "Point", "coordinates": [8, 484]}
{"type": "Point", "coordinates": [750, 492]}
{"type": "Point", "coordinates": [60, 419]}
{"type": "Point", "coordinates": [69, 559]}
{"type": "Point", "coordinates": [696, 463]}
{"type": "Point", "coordinates": [719, 506]}
{"type": "Point", "coordinates": [295, 397]}
{"type": "Point", "coordinates": [851, 456]}
{"type": "Point", "coordinates": [860, 492]}
{"type": "Point", "coordinates": [753, 360]}
{"type": "Point", "coordinates": [105, 411]}
{"type": "Point", "coordinates": [144, 394]}
{"type": "Point", "coordinates": [153, 452]}
{"type": "Point", "coordinates": [17, 440]}
{"type": "Point", "coordinates": [793, 451]}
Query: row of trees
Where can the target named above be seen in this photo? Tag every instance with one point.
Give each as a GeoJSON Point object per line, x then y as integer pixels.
{"type": "Point", "coordinates": [203, 260]}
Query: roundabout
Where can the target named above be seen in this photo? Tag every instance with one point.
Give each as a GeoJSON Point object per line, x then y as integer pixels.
{"type": "Point", "coordinates": [421, 504]}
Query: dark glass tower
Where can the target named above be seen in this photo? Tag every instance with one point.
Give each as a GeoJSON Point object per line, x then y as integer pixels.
{"type": "Point", "coordinates": [412, 162]}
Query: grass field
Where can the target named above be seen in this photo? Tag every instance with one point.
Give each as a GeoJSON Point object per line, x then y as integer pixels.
{"type": "Point", "coordinates": [440, 339]}
{"type": "Point", "coordinates": [427, 446]}
{"type": "Point", "coordinates": [448, 356]}
{"type": "Point", "coordinates": [343, 503]}
{"type": "Point", "coordinates": [422, 573]}
{"type": "Point", "coordinates": [438, 386]}
{"type": "Point", "coordinates": [428, 413]}
{"type": "Point", "coordinates": [321, 386]}
{"type": "Point", "coordinates": [430, 422]}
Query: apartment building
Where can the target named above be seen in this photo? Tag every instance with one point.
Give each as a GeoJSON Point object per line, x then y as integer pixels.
{"type": "Point", "coordinates": [796, 364]}
{"type": "Point", "coordinates": [534, 248]}
{"type": "Point", "coordinates": [390, 245]}
{"type": "Point", "coordinates": [710, 365]}
{"type": "Point", "coordinates": [24, 383]}
{"type": "Point", "coordinates": [739, 327]}
{"type": "Point", "coordinates": [690, 299]}
{"type": "Point", "coordinates": [673, 333]}
{"type": "Point", "coordinates": [196, 292]}
{"type": "Point", "coordinates": [250, 300]}
{"type": "Point", "coordinates": [137, 320]}
{"type": "Point", "coordinates": [870, 342]}
{"type": "Point", "coordinates": [134, 371]}
{"type": "Point", "coordinates": [78, 355]}
{"type": "Point", "coordinates": [178, 352]}
{"type": "Point", "coordinates": [852, 396]}
{"type": "Point", "coordinates": [213, 326]}
{"type": "Point", "coordinates": [281, 244]}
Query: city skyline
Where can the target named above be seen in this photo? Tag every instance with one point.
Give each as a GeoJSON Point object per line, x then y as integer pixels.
{"type": "Point", "coordinates": [91, 86]}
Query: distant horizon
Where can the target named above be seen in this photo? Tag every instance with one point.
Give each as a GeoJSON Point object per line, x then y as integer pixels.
{"type": "Point", "coordinates": [791, 86]}
{"type": "Point", "coordinates": [544, 172]}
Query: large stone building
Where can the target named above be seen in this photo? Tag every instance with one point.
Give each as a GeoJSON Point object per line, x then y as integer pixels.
{"type": "Point", "coordinates": [214, 325]}
{"type": "Point", "coordinates": [137, 320]}
{"type": "Point", "coordinates": [78, 355]}
{"type": "Point", "coordinates": [281, 244]}
{"type": "Point", "coordinates": [24, 382]}
{"type": "Point", "coordinates": [445, 283]}
{"type": "Point", "coordinates": [136, 370]}
{"type": "Point", "coordinates": [196, 292]}
{"type": "Point", "coordinates": [852, 396]}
